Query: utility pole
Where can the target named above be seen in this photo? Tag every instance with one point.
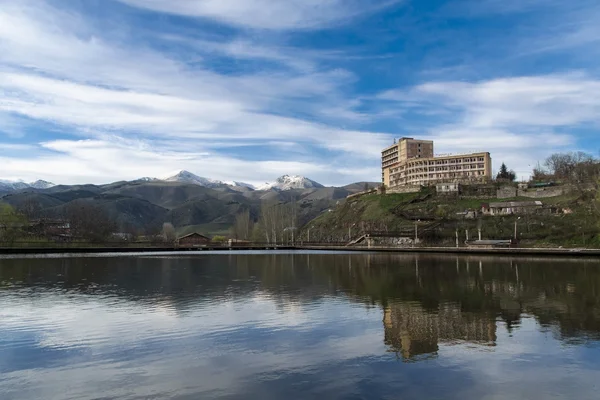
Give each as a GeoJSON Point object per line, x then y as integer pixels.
{"type": "Point", "coordinates": [350, 232]}
{"type": "Point", "coordinates": [416, 233]}
{"type": "Point", "coordinates": [516, 227]}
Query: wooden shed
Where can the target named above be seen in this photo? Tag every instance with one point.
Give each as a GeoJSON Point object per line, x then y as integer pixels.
{"type": "Point", "coordinates": [193, 240]}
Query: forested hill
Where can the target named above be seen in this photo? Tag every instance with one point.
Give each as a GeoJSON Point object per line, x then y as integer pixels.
{"type": "Point", "coordinates": [142, 207]}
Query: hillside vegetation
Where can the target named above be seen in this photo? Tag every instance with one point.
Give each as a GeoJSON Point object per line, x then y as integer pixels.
{"type": "Point", "coordinates": [571, 219]}
{"type": "Point", "coordinates": [141, 208]}
{"type": "Point", "coordinates": [438, 218]}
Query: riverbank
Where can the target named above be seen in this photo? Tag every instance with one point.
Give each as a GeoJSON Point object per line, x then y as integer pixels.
{"type": "Point", "coordinates": [552, 252]}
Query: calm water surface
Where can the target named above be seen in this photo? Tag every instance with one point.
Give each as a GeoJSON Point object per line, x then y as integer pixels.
{"type": "Point", "coordinates": [299, 326]}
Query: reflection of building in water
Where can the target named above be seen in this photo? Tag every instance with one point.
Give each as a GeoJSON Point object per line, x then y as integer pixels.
{"type": "Point", "coordinates": [411, 331]}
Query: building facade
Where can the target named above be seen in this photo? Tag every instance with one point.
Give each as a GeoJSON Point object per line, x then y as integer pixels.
{"type": "Point", "coordinates": [411, 162]}
{"type": "Point", "coordinates": [403, 150]}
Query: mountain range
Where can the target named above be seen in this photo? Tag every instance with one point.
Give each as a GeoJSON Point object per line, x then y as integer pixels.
{"type": "Point", "coordinates": [20, 185]}
{"type": "Point", "coordinates": [285, 182]}
{"type": "Point", "coordinates": [190, 202]}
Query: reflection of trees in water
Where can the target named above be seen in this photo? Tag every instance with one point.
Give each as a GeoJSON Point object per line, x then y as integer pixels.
{"type": "Point", "coordinates": [429, 298]}
{"type": "Point", "coordinates": [417, 294]}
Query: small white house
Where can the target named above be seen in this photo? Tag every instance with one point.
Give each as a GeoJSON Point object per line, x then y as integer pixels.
{"type": "Point", "coordinates": [511, 207]}
{"type": "Point", "coordinates": [447, 188]}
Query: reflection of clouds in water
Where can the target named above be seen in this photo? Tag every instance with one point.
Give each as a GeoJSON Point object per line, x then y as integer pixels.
{"type": "Point", "coordinates": [228, 351]}
{"type": "Point", "coordinates": [528, 363]}
{"type": "Point", "coordinates": [261, 331]}
{"type": "Point", "coordinates": [214, 349]}
{"type": "Point", "coordinates": [86, 320]}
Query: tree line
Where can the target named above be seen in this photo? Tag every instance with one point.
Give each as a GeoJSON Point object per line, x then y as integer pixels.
{"type": "Point", "coordinates": [573, 167]}
{"type": "Point", "coordinates": [570, 167]}
{"type": "Point", "coordinates": [277, 222]}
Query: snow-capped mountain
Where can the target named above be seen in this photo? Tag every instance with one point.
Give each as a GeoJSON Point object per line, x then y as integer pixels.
{"type": "Point", "coordinates": [20, 185]}
{"type": "Point", "coordinates": [289, 182]}
{"type": "Point", "coordinates": [240, 184]}
{"type": "Point", "coordinates": [187, 177]}
{"type": "Point", "coordinates": [41, 184]}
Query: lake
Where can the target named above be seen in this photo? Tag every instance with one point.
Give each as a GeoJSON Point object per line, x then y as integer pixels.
{"type": "Point", "coordinates": [299, 326]}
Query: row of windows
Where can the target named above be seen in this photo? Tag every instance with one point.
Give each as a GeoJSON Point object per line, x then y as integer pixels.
{"type": "Point", "coordinates": [426, 177]}
{"type": "Point", "coordinates": [432, 169]}
{"type": "Point", "coordinates": [413, 163]}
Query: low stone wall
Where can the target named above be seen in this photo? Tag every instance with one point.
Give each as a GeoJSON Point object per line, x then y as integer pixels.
{"type": "Point", "coordinates": [544, 192]}
{"type": "Point", "coordinates": [359, 194]}
{"type": "Point", "coordinates": [506, 192]}
{"type": "Point", "coordinates": [404, 189]}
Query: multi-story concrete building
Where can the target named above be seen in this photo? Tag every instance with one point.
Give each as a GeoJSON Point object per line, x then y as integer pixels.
{"type": "Point", "coordinates": [403, 150]}
{"type": "Point", "coordinates": [411, 162]}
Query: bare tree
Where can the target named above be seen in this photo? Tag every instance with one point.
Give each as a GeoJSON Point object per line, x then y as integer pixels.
{"type": "Point", "coordinates": [267, 221]}
{"type": "Point", "coordinates": [276, 218]}
{"type": "Point", "coordinates": [242, 227]}
{"type": "Point", "coordinates": [31, 208]}
{"type": "Point", "coordinates": [168, 231]}
{"type": "Point", "coordinates": [577, 166]}
{"type": "Point", "coordinates": [540, 174]}
{"type": "Point", "coordinates": [89, 221]}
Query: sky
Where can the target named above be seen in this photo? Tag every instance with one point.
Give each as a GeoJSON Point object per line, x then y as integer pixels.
{"type": "Point", "coordinates": [96, 91]}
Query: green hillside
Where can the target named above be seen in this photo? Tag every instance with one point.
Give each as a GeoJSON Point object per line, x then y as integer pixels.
{"type": "Point", "coordinates": [437, 218]}
{"type": "Point", "coordinates": [144, 206]}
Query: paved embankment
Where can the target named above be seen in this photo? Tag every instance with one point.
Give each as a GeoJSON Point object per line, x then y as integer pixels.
{"type": "Point", "coordinates": [553, 252]}
{"type": "Point", "coordinates": [468, 250]}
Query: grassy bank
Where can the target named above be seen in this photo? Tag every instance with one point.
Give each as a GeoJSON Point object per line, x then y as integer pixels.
{"type": "Point", "coordinates": [579, 227]}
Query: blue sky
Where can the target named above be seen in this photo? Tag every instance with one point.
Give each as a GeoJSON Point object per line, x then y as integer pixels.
{"type": "Point", "coordinates": [103, 90]}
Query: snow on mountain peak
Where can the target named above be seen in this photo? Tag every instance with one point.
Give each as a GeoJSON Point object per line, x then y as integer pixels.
{"type": "Point", "coordinates": [240, 184]}
{"type": "Point", "coordinates": [184, 176]}
{"type": "Point", "coordinates": [289, 182]}
{"type": "Point", "coordinates": [20, 185]}
{"type": "Point", "coordinates": [41, 184]}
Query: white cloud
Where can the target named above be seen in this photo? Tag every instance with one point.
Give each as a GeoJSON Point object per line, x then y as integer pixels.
{"type": "Point", "coordinates": [537, 101]}
{"type": "Point", "coordinates": [114, 158]}
{"type": "Point", "coordinates": [15, 147]}
{"type": "Point", "coordinates": [61, 69]}
{"type": "Point", "coordinates": [268, 14]}
{"type": "Point", "coordinates": [520, 120]}
{"type": "Point", "coordinates": [153, 115]}
{"type": "Point", "coordinates": [58, 68]}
